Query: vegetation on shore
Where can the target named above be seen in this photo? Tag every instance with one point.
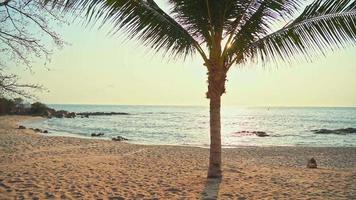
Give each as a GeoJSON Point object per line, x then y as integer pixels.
{"type": "Point", "coordinates": [18, 106]}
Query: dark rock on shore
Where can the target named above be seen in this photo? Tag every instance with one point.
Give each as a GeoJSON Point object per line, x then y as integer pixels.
{"type": "Point", "coordinates": [87, 114]}
{"type": "Point", "coordinates": [342, 131]}
{"type": "Point", "coordinates": [312, 164]}
{"type": "Point", "coordinates": [260, 133]}
{"type": "Point", "coordinates": [119, 138]}
{"type": "Point", "coordinates": [97, 134]}
{"type": "Point", "coordinates": [249, 133]}
{"type": "Point", "coordinates": [22, 127]}
{"type": "Point", "coordinates": [37, 130]}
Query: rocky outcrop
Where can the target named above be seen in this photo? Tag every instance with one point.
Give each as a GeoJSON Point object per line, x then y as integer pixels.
{"type": "Point", "coordinates": [312, 164]}
{"type": "Point", "coordinates": [342, 131]}
{"type": "Point", "coordinates": [251, 133]}
{"type": "Point", "coordinates": [63, 114]}
{"type": "Point", "coordinates": [119, 138]}
{"type": "Point", "coordinates": [18, 107]}
{"type": "Point", "coordinates": [39, 109]}
{"type": "Point", "coordinates": [87, 114]}
{"type": "Point", "coordinates": [97, 134]}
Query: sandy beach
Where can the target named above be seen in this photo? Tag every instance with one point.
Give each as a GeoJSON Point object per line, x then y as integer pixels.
{"type": "Point", "coordinates": [34, 166]}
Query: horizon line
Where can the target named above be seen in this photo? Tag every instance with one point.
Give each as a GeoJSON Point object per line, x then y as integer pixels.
{"type": "Point", "coordinates": [192, 105]}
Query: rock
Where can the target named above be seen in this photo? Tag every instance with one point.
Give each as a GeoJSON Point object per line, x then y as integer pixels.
{"type": "Point", "coordinates": [22, 127]}
{"type": "Point", "coordinates": [348, 130]}
{"type": "Point", "coordinates": [119, 138]}
{"type": "Point", "coordinates": [60, 114]}
{"type": "Point", "coordinates": [70, 115]}
{"type": "Point", "coordinates": [342, 131]}
{"type": "Point", "coordinates": [260, 133]}
{"type": "Point", "coordinates": [49, 113]}
{"type": "Point", "coordinates": [64, 114]}
{"type": "Point", "coordinates": [323, 131]}
{"type": "Point", "coordinates": [37, 130]}
{"type": "Point", "coordinates": [87, 114]}
{"type": "Point", "coordinates": [312, 164]}
{"type": "Point", "coordinates": [97, 134]}
{"type": "Point", "coordinates": [251, 133]}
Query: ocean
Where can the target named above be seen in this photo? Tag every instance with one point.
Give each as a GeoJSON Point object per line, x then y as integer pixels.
{"type": "Point", "coordinates": [189, 125]}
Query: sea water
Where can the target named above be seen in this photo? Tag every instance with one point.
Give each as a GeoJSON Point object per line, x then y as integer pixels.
{"type": "Point", "coordinates": [189, 125]}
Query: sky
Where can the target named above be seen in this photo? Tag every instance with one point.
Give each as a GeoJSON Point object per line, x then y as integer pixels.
{"type": "Point", "coordinates": [99, 69]}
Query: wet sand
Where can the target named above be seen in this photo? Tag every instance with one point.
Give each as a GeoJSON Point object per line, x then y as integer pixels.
{"type": "Point", "coordinates": [34, 166]}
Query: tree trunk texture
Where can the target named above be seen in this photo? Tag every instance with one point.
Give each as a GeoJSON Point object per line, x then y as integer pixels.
{"type": "Point", "coordinates": [216, 80]}
{"type": "Point", "coordinates": [215, 139]}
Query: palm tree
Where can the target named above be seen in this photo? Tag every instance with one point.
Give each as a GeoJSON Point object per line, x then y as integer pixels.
{"type": "Point", "coordinates": [226, 33]}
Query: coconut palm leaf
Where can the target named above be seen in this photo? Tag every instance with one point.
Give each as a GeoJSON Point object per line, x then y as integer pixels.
{"type": "Point", "coordinates": [205, 19]}
{"type": "Point", "coordinates": [256, 20]}
{"type": "Point", "coordinates": [141, 19]}
{"type": "Point", "coordinates": [323, 25]}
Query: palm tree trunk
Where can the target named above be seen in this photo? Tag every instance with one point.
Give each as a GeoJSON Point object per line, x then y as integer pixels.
{"type": "Point", "coordinates": [216, 87]}
{"type": "Point", "coordinates": [215, 138]}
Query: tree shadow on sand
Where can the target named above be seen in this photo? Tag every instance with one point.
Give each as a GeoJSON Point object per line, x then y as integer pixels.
{"type": "Point", "coordinates": [211, 189]}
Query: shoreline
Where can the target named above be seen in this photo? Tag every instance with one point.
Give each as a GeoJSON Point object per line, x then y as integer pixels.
{"type": "Point", "coordinates": [33, 165]}
{"type": "Point", "coordinates": [28, 119]}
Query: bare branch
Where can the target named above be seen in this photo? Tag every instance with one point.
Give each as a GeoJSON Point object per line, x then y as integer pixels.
{"type": "Point", "coordinates": [26, 33]}
{"type": "Point", "coordinates": [10, 87]}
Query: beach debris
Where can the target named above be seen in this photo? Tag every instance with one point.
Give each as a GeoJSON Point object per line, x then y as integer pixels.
{"type": "Point", "coordinates": [312, 164]}
{"type": "Point", "coordinates": [251, 133]}
{"type": "Point", "coordinates": [45, 131]}
{"type": "Point", "coordinates": [119, 138]}
{"type": "Point", "coordinates": [97, 134]}
{"type": "Point", "coordinates": [22, 127]}
{"type": "Point", "coordinates": [87, 114]}
{"type": "Point", "coordinates": [342, 131]}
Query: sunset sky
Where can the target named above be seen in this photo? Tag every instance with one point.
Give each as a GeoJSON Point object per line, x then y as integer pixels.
{"type": "Point", "coordinates": [98, 69]}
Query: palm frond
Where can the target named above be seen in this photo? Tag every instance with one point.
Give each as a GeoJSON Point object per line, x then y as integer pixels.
{"type": "Point", "coordinates": [140, 19]}
{"type": "Point", "coordinates": [255, 21]}
{"type": "Point", "coordinates": [323, 25]}
{"type": "Point", "coordinates": [205, 18]}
